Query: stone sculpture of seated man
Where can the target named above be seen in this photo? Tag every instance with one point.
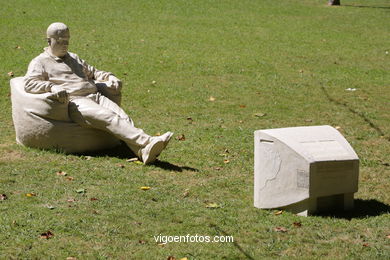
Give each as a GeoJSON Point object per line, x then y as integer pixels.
{"type": "Point", "coordinates": [71, 79]}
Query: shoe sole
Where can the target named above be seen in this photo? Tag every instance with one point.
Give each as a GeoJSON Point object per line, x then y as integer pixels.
{"type": "Point", "coordinates": [154, 152]}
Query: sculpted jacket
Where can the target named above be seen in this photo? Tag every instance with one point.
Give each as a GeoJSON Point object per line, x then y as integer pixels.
{"type": "Point", "coordinates": [70, 72]}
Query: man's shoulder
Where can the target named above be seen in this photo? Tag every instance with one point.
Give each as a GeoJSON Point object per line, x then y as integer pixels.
{"type": "Point", "coordinates": [40, 58]}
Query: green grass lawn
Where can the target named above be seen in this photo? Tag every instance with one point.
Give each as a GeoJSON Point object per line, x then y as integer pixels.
{"type": "Point", "coordinates": [291, 60]}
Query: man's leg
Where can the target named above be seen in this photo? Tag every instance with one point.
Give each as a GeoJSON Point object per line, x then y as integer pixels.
{"type": "Point", "coordinates": [99, 112]}
{"type": "Point", "coordinates": [155, 145]}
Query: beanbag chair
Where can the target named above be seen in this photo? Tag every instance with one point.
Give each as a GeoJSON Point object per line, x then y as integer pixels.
{"type": "Point", "coordinates": [42, 122]}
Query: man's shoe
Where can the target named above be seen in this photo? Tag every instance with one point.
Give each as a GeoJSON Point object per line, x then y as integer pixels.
{"type": "Point", "coordinates": [151, 151]}
{"type": "Point", "coordinates": [166, 138]}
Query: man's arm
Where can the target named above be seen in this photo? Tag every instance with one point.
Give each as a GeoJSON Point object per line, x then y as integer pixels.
{"type": "Point", "coordinates": [37, 82]}
{"type": "Point", "coordinates": [36, 79]}
{"type": "Point", "coordinates": [99, 75]}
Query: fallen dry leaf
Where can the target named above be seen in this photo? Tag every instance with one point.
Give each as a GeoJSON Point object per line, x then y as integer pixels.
{"type": "Point", "coordinates": [366, 245]}
{"type": "Point", "coordinates": [71, 200]}
{"type": "Point", "coordinates": [138, 162]}
{"type": "Point", "coordinates": [49, 206]}
{"type": "Point", "coordinates": [46, 235]}
{"type": "Point", "coordinates": [32, 194]}
{"type": "Point", "coordinates": [190, 120]}
{"type": "Point", "coordinates": [69, 178]}
{"type": "Point", "coordinates": [3, 197]}
{"type": "Point", "coordinates": [280, 229]}
{"type": "Point", "coordinates": [18, 47]}
{"type": "Point", "coordinates": [61, 173]}
{"type": "Point", "coordinates": [132, 159]}
{"type": "Point", "coordinates": [181, 137]}
{"type": "Point", "coordinates": [142, 242]}
{"type": "Point", "coordinates": [71, 258]}
{"type": "Point", "coordinates": [217, 168]}
{"type": "Point", "coordinates": [93, 199]}
{"type": "Point", "coordinates": [242, 106]}
{"type": "Point", "coordinates": [145, 188]}
{"type": "Point", "coordinates": [184, 258]}
{"type": "Point", "coordinates": [260, 114]}
{"type": "Point", "coordinates": [171, 258]}
{"type": "Point", "coordinates": [297, 224]}
{"type": "Point", "coordinates": [212, 205]}
{"type": "Point", "coordinates": [337, 127]}
{"type": "Point", "coordinates": [278, 212]}
{"type": "Point", "coordinates": [81, 191]}
{"type": "Point", "coordinates": [121, 166]}
{"type": "Point", "coordinates": [212, 99]}
{"type": "Point", "coordinates": [157, 134]}
{"type": "Point", "coordinates": [186, 193]}
{"type": "Point", "coordinates": [11, 74]}
{"type": "Point", "coordinates": [161, 244]}
{"type": "Point", "coordinates": [226, 161]}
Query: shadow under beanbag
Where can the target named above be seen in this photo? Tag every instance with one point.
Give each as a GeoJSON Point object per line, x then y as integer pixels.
{"type": "Point", "coordinates": [42, 122]}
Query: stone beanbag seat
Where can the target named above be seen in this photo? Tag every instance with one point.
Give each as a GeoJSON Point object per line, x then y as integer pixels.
{"type": "Point", "coordinates": [42, 122]}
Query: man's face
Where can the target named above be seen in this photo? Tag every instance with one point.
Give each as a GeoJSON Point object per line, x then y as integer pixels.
{"type": "Point", "coordinates": [59, 44]}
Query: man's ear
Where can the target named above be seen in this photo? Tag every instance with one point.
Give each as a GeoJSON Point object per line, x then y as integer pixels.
{"type": "Point", "coordinates": [48, 41]}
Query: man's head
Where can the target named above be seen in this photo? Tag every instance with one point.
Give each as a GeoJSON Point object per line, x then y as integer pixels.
{"type": "Point", "coordinates": [58, 39]}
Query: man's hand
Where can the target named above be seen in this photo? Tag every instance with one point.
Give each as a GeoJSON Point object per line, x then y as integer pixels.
{"type": "Point", "coordinates": [114, 83]}
{"type": "Point", "coordinates": [59, 94]}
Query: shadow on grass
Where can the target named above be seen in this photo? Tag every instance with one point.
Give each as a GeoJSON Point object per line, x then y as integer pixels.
{"type": "Point", "coordinates": [366, 6]}
{"type": "Point", "coordinates": [124, 152]}
{"type": "Point", "coordinates": [171, 167]}
{"type": "Point", "coordinates": [236, 245]}
{"type": "Point", "coordinates": [362, 209]}
{"type": "Point", "coordinates": [363, 116]}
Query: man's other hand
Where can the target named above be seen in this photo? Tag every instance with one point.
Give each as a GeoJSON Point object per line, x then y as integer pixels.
{"type": "Point", "coordinates": [114, 83]}
{"type": "Point", "coordinates": [62, 96]}
{"type": "Point", "coordinates": [59, 94]}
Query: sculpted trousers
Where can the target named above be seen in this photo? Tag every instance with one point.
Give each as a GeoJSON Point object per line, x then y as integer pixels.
{"type": "Point", "coordinates": [97, 111]}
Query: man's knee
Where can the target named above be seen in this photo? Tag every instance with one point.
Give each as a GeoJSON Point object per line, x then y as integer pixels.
{"type": "Point", "coordinates": [86, 113]}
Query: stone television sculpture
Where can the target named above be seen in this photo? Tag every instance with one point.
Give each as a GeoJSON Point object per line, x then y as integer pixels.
{"type": "Point", "coordinates": [304, 170]}
{"type": "Point", "coordinates": [64, 103]}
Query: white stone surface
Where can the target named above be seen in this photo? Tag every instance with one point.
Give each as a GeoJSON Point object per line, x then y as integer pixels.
{"type": "Point", "coordinates": [304, 169]}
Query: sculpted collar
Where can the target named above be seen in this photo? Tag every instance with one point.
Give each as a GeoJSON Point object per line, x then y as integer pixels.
{"type": "Point", "coordinates": [58, 59]}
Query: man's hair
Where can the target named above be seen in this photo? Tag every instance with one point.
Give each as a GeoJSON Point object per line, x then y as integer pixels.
{"type": "Point", "coordinates": [56, 29]}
